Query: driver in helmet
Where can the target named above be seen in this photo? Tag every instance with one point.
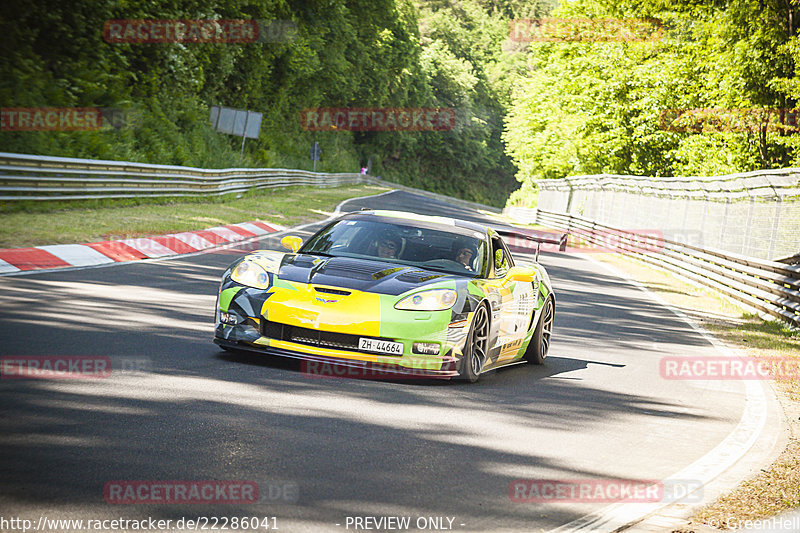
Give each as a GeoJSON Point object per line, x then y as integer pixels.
{"type": "Point", "coordinates": [464, 252]}
{"type": "Point", "coordinates": [388, 245]}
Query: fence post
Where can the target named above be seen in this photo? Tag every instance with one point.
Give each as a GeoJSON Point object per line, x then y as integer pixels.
{"type": "Point", "coordinates": [613, 193]}
{"type": "Point", "coordinates": [602, 196]}
{"type": "Point", "coordinates": [638, 208]}
{"type": "Point", "coordinates": [724, 223]}
{"type": "Point", "coordinates": [774, 238]}
{"type": "Point", "coordinates": [685, 215]}
{"type": "Point", "coordinates": [749, 225]}
{"type": "Point", "coordinates": [703, 218]}
{"type": "Point", "coordinates": [569, 196]}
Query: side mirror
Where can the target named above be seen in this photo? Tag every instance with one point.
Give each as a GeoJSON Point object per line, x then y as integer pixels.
{"type": "Point", "coordinates": [292, 243]}
{"type": "Point", "coordinates": [521, 274]}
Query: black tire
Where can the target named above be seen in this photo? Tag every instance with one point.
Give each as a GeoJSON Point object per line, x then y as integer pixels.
{"type": "Point", "coordinates": [540, 343]}
{"type": "Point", "coordinates": [476, 347]}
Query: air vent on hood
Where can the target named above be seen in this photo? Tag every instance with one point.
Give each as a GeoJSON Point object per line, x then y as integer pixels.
{"type": "Point", "coordinates": [327, 290]}
{"type": "Point", "coordinates": [352, 269]}
{"type": "Point", "coordinates": [417, 276]}
{"type": "Point", "coordinates": [305, 261]}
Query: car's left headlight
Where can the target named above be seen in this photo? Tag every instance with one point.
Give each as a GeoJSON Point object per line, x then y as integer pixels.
{"type": "Point", "coordinates": [432, 300]}
{"type": "Point", "coordinates": [250, 274]}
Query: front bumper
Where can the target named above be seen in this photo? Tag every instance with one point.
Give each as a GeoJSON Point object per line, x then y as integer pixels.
{"type": "Point", "coordinates": [351, 364]}
{"type": "Point", "coordinates": [287, 322]}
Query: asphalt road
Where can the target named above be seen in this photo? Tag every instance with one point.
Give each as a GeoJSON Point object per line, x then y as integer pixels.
{"type": "Point", "coordinates": [323, 450]}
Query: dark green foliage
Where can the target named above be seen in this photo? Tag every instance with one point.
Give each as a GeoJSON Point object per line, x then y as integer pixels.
{"type": "Point", "coordinates": [590, 107]}
{"type": "Point", "coordinates": [343, 53]}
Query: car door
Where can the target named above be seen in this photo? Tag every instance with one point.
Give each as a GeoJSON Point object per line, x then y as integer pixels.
{"type": "Point", "coordinates": [515, 305]}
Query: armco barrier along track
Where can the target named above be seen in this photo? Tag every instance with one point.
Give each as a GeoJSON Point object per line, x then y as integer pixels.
{"type": "Point", "coordinates": [30, 177]}
{"type": "Point", "coordinates": [768, 286]}
{"type": "Point", "coordinates": [43, 178]}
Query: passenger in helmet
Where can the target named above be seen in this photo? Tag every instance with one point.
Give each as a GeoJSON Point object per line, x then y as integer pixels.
{"type": "Point", "coordinates": [464, 252]}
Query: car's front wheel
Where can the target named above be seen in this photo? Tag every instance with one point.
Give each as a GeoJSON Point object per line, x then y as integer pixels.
{"type": "Point", "coordinates": [540, 343]}
{"type": "Point", "coordinates": [476, 347]}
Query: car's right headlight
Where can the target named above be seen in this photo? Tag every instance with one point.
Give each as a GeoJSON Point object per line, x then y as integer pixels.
{"type": "Point", "coordinates": [430, 300]}
{"type": "Point", "coordinates": [250, 274]}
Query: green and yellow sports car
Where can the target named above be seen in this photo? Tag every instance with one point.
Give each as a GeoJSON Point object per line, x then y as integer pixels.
{"type": "Point", "coordinates": [403, 293]}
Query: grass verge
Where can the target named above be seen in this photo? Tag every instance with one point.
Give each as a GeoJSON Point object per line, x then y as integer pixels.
{"type": "Point", "coordinates": [74, 223]}
{"type": "Point", "coordinates": [776, 488]}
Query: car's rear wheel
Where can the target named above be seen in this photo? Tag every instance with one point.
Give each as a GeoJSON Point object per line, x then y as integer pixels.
{"type": "Point", "coordinates": [476, 347]}
{"type": "Point", "coordinates": [540, 343]}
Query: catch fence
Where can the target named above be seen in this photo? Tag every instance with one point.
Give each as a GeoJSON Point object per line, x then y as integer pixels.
{"type": "Point", "coordinates": [739, 234]}
{"type": "Point", "coordinates": [755, 214]}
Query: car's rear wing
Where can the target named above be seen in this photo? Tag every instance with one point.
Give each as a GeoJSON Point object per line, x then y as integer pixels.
{"type": "Point", "coordinates": [538, 238]}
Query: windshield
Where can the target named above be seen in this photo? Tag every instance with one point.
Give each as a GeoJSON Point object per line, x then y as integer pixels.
{"type": "Point", "coordinates": [427, 248]}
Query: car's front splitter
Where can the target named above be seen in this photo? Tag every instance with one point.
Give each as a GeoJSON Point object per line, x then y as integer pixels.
{"type": "Point", "coordinates": [322, 366]}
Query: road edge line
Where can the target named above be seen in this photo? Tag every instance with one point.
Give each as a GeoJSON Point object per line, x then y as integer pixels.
{"type": "Point", "coordinates": [759, 398]}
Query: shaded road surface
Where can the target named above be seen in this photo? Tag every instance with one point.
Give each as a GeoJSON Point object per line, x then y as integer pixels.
{"type": "Point", "coordinates": [184, 410]}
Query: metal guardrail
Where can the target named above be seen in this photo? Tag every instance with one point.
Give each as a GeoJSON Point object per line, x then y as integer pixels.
{"type": "Point", "coordinates": [43, 178]}
{"type": "Point", "coordinates": [768, 286]}
{"type": "Point", "coordinates": [790, 260]}
{"type": "Point", "coordinates": [31, 177]}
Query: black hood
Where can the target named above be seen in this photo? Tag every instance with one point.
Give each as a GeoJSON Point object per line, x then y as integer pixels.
{"type": "Point", "coordinates": [358, 274]}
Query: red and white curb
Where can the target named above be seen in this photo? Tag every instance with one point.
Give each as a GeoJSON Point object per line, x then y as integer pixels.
{"type": "Point", "coordinates": [100, 253]}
